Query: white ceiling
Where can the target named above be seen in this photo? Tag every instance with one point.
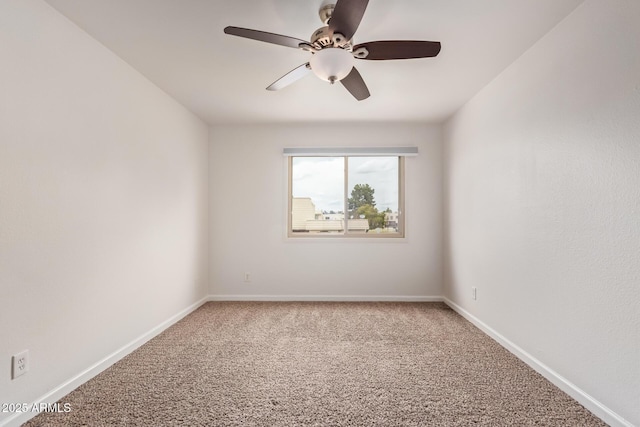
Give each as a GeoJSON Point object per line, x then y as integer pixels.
{"type": "Point", "coordinates": [180, 46]}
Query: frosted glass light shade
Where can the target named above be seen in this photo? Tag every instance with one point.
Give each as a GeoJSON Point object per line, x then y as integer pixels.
{"type": "Point", "coordinates": [332, 64]}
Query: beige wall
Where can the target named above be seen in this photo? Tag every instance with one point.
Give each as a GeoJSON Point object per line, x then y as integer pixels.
{"type": "Point", "coordinates": [103, 212]}
{"type": "Point", "coordinates": [543, 192]}
{"type": "Point", "coordinates": [249, 178]}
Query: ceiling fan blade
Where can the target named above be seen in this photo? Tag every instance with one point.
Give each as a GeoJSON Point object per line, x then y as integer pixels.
{"type": "Point", "coordinates": [346, 17]}
{"type": "Point", "coordinates": [291, 77]}
{"type": "Point", "coordinates": [264, 36]}
{"type": "Point", "coordinates": [398, 49]}
{"type": "Point", "coordinates": [354, 84]}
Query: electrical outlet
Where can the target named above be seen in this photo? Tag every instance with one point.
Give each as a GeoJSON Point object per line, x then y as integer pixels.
{"type": "Point", "coordinates": [247, 277]}
{"type": "Point", "coordinates": [19, 364]}
{"type": "Point", "coordinates": [474, 293]}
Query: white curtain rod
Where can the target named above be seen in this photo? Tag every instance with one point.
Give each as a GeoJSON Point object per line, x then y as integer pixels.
{"type": "Point", "coordinates": [351, 151]}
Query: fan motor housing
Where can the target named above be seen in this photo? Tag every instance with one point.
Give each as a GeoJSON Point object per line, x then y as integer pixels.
{"type": "Point", "coordinates": [323, 37]}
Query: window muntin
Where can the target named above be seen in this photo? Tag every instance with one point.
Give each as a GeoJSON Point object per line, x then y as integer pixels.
{"type": "Point", "coordinates": [359, 196]}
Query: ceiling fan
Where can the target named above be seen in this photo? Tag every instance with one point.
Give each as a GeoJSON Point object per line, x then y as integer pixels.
{"type": "Point", "coordinates": [333, 51]}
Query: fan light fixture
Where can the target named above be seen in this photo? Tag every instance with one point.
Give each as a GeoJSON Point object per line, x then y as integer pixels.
{"type": "Point", "coordinates": [332, 64]}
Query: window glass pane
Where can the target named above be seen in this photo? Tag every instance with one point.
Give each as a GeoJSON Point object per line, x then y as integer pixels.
{"type": "Point", "coordinates": [317, 195]}
{"type": "Point", "coordinates": [373, 194]}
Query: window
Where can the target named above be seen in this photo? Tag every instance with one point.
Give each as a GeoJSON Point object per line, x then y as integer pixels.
{"type": "Point", "coordinates": [346, 195]}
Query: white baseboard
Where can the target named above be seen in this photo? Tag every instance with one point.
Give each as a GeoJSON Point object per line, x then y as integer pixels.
{"type": "Point", "coordinates": [593, 405]}
{"type": "Point", "coordinates": [337, 298]}
{"type": "Point", "coordinates": [68, 386]}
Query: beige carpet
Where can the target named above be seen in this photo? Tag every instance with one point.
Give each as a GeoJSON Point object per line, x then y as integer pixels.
{"type": "Point", "coordinates": [322, 364]}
